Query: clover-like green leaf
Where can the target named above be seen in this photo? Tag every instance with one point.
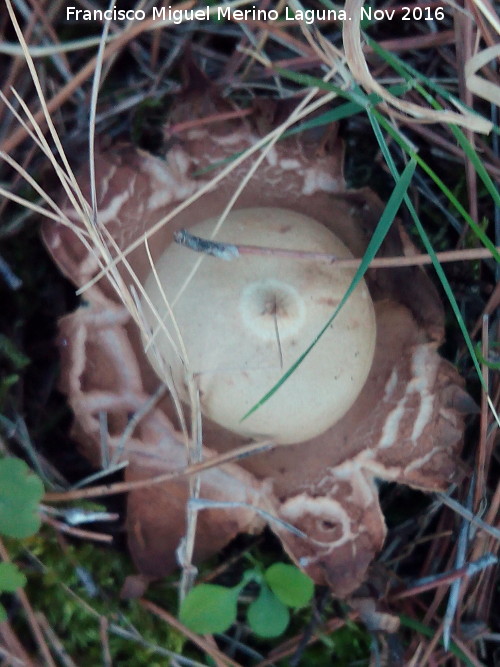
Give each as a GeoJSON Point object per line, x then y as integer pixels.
{"type": "Point", "coordinates": [267, 616]}
{"type": "Point", "coordinates": [209, 608]}
{"type": "Point", "coordinates": [20, 492]}
{"type": "Point", "coordinates": [11, 578]}
{"type": "Point", "coordinates": [290, 585]}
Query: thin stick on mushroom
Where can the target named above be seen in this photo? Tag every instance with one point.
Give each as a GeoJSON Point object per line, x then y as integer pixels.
{"type": "Point", "coordinates": [229, 251]}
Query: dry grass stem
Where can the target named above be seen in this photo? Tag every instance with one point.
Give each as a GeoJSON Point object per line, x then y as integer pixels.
{"type": "Point", "coordinates": [230, 252]}
{"type": "Point", "coordinates": [194, 469]}
{"type": "Point", "coordinates": [357, 64]}
{"type": "Point", "coordinates": [78, 532]}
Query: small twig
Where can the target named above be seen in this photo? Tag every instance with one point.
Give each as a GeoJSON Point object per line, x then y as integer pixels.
{"type": "Point", "coordinates": [107, 660]}
{"type": "Point", "coordinates": [229, 251]}
{"type": "Point", "coordinates": [483, 456]}
{"type": "Point", "coordinates": [202, 504]}
{"type": "Point", "coordinates": [425, 657]}
{"type": "Point", "coordinates": [75, 515]}
{"type": "Point", "coordinates": [455, 588]}
{"type": "Point", "coordinates": [185, 549]}
{"type": "Point", "coordinates": [54, 641]}
{"type": "Point", "coordinates": [467, 652]}
{"type": "Point", "coordinates": [78, 532]}
{"type": "Point", "coordinates": [134, 421]}
{"type": "Point", "coordinates": [207, 120]}
{"type": "Point", "coordinates": [174, 658]}
{"type": "Point", "coordinates": [12, 652]}
{"type": "Point", "coordinates": [124, 487]}
{"type": "Point", "coordinates": [428, 583]}
{"type": "Point", "coordinates": [100, 474]}
{"type": "Point", "coordinates": [479, 523]}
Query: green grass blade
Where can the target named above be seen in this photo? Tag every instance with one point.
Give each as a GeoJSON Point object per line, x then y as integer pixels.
{"type": "Point", "coordinates": [428, 246]}
{"type": "Point", "coordinates": [411, 75]}
{"type": "Point", "coordinates": [345, 110]}
{"type": "Point", "coordinates": [417, 626]}
{"type": "Point", "coordinates": [379, 235]}
{"type": "Point", "coordinates": [404, 68]}
{"type": "Point", "coordinates": [366, 102]}
{"type": "Point", "coordinates": [444, 189]}
{"type": "Point", "coordinates": [308, 81]}
{"type": "Point", "coordinates": [477, 163]}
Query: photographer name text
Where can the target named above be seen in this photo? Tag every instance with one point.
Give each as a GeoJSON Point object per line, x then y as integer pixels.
{"type": "Point", "coordinates": [308, 16]}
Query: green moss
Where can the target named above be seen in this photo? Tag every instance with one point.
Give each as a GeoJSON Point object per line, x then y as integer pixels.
{"type": "Point", "coordinates": [78, 586]}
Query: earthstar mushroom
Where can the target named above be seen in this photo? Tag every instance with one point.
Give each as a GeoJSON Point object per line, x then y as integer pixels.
{"type": "Point", "coordinates": [406, 424]}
